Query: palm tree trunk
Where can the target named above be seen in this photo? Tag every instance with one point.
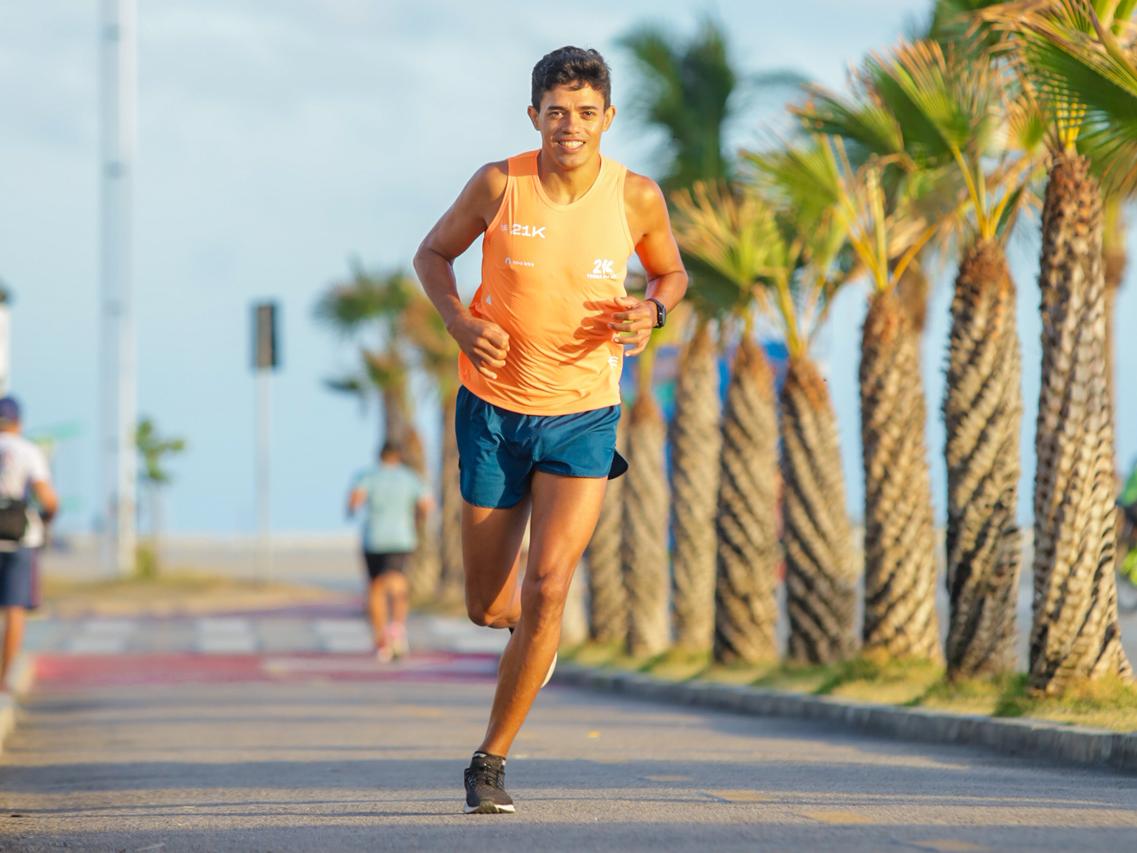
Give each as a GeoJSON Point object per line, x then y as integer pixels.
{"type": "Point", "coordinates": [574, 622]}
{"type": "Point", "coordinates": [1075, 632]}
{"type": "Point", "coordinates": [426, 563]}
{"type": "Point", "coordinates": [983, 416]}
{"type": "Point", "coordinates": [397, 423]}
{"type": "Point", "coordinates": [821, 570]}
{"type": "Point", "coordinates": [900, 564]}
{"type": "Point", "coordinates": [157, 527]}
{"type": "Point", "coordinates": [607, 599]}
{"type": "Point", "coordinates": [646, 567]}
{"type": "Point", "coordinates": [696, 438]}
{"type": "Point", "coordinates": [1116, 259]}
{"type": "Point", "coordinates": [745, 606]}
{"type": "Point", "coordinates": [452, 583]}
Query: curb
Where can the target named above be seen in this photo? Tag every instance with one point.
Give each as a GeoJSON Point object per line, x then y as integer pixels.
{"type": "Point", "coordinates": [23, 675]}
{"type": "Point", "coordinates": [1028, 738]}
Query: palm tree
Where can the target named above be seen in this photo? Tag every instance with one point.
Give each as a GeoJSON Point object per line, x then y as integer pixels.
{"type": "Point", "coordinates": [725, 233]}
{"type": "Point", "coordinates": [803, 265]}
{"type": "Point", "coordinates": [370, 307]}
{"type": "Point", "coordinates": [154, 451]}
{"type": "Point", "coordinates": [990, 140]}
{"type": "Point", "coordinates": [882, 203]}
{"type": "Point", "coordinates": [688, 90]}
{"type": "Point", "coordinates": [960, 21]}
{"type": "Point", "coordinates": [691, 91]}
{"type": "Point", "coordinates": [813, 262]}
{"type": "Point", "coordinates": [437, 356]}
{"type": "Point", "coordinates": [1073, 52]}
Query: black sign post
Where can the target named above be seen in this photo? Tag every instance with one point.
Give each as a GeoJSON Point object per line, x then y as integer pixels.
{"type": "Point", "coordinates": [266, 358]}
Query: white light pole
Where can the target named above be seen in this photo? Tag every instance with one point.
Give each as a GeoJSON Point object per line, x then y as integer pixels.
{"type": "Point", "coordinates": [5, 341]}
{"type": "Point", "coordinates": [117, 52]}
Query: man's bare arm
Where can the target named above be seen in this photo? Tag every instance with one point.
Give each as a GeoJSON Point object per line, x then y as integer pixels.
{"type": "Point", "coordinates": [47, 499]}
{"type": "Point", "coordinates": [657, 250]}
{"type": "Point", "coordinates": [355, 500]}
{"type": "Point", "coordinates": [486, 344]}
{"type": "Point", "coordinates": [423, 508]}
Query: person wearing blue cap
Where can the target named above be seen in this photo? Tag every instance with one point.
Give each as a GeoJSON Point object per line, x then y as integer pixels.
{"type": "Point", "coordinates": [24, 475]}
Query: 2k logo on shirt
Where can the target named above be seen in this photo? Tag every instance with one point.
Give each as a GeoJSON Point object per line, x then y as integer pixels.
{"type": "Point", "coordinates": [602, 268]}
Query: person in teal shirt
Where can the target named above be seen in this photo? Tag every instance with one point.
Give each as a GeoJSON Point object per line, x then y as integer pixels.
{"type": "Point", "coordinates": [395, 502]}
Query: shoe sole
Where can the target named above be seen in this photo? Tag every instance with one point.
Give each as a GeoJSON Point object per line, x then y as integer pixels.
{"type": "Point", "coordinates": [552, 669]}
{"type": "Point", "coordinates": [489, 808]}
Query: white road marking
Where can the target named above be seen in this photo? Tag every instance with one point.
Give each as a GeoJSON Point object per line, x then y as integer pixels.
{"type": "Point", "coordinates": [214, 636]}
{"type": "Point", "coordinates": [102, 637]}
{"type": "Point", "coordinates": [343, 635]}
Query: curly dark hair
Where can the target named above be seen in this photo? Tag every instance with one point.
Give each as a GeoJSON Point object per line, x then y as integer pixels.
{"type": "Point", "coordinates": [574, 67]}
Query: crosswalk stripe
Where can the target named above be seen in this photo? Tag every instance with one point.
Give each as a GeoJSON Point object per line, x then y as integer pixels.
{"type": "Point", "coordinates": [347, 644]}
{"type": "Point", "coordinates": [340, 627]}
{"type": "Point", "coordinates": [224, 635]}
{"type": "Point", "coordinates": [102, 636]}
{"type": "Point", "coordinates": [85, 644]}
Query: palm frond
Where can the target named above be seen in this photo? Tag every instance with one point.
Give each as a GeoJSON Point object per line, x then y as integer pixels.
{"type": "Point", "coordinates": [863, 120]}
{"type": "Point", "coordinates": [958, 99]}
{"type": "Point", "coordinates": [685, 89]}
{"type": "Point", "coordinates": [363, 298]}
{"type": "Point", "coordinates": [955, 21]}
{"type": "Point", "coordinates": [347, 385]}
{"type": "Point", "coordinates": [1081, 68]}
{"type": "Point", "coordinates": [385, 370]}
{"type": "Point", "coordinates": [733, 233]}
{"type": "Point", "coordinates": [437, 350]}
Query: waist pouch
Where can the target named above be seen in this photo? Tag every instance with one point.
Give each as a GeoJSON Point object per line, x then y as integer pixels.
{"type": "Point", "coordinates": [13, 520]}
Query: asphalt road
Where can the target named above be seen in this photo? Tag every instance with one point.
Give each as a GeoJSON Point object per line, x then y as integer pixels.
{"type": "Point", "coordinates": [330, 752]}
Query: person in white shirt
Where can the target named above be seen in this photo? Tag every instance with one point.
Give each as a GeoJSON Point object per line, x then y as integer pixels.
{"type": "Point", "coordinates": [24, 475]}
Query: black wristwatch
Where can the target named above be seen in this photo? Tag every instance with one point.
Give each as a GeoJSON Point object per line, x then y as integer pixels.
{"type": "Point", "coordinates": [660, 312]}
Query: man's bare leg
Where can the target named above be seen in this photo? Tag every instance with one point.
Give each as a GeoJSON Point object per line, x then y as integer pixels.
{"type": "Point", "coordinates": [491, 555]}
{"type": "Point", "coordinates": [13, 640]}
{"type": "Point", "coordinates": [565, 511]}
{"type": "Point", "coordinates": [377, 610]}
{"type": "Point", "coordinates": [395, 584]}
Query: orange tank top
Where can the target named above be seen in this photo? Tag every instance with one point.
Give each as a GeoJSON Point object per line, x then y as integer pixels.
{"type": "Point", "coordinates": [550, 275]}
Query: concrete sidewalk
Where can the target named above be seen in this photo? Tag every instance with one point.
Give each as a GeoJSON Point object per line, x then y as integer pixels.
{"type": "Point", "coordinates": [332, 752]}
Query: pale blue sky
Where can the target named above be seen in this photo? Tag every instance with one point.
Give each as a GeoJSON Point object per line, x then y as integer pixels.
{"type": "Point", "coordinates": [277, 140]}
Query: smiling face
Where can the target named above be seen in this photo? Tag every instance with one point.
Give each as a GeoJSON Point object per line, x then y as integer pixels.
{"type": "Point", "coordinates": [571, 122]}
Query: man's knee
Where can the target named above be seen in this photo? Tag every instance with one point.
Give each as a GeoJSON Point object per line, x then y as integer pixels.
{"type": "Point", "coordinates": [486, 615]}
{"type": "Point", "coordinates": [544, 597]}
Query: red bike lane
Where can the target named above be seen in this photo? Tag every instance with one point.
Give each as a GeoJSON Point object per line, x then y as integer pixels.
{"type": "Point", "coordinates": [55, 671]}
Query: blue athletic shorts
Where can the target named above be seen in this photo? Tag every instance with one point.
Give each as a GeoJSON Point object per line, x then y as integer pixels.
{"type": "Point", "coordinates": [498, 450]}
{"type": "Point", "coordinates": [16, 578]}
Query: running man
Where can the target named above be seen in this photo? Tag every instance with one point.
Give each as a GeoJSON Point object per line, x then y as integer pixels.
{"type": "Point", "coordinates": [24, 475]}
{"type": "Point", "coordinates": [397, 502]}
{"type": "Point", "coordinates": [543, 344]}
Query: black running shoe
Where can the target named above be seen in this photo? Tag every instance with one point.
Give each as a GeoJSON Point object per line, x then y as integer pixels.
{"type": "Point", "coordinates": [485, 786]}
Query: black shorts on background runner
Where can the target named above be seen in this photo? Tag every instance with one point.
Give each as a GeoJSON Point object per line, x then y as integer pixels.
{"type": "Point", "coordinates": [379, 564]}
